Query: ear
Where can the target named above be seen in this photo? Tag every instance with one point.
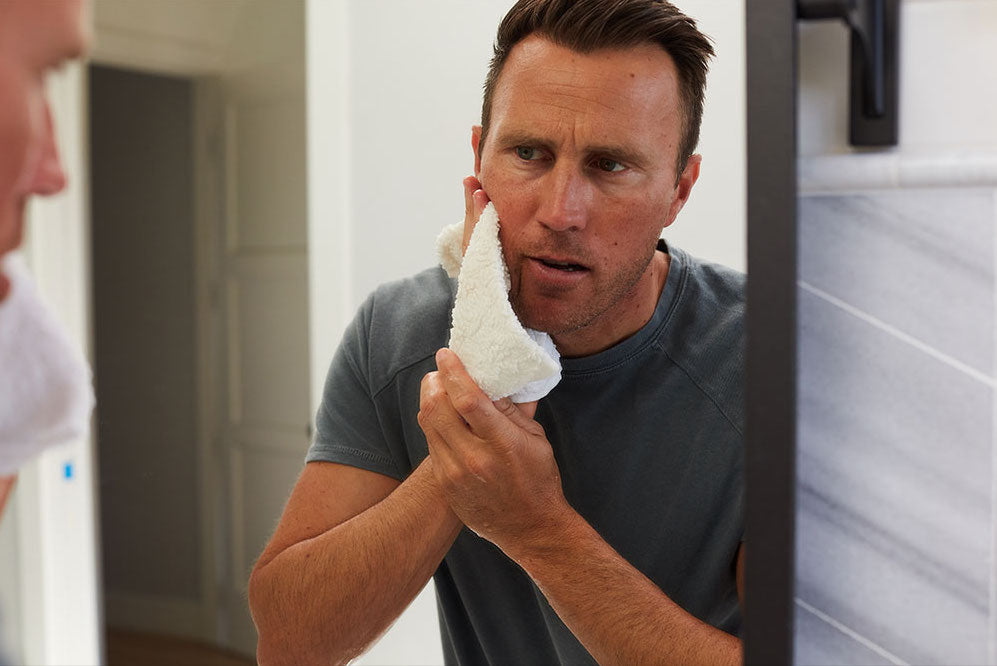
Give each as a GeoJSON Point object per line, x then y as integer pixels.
{"type": "Point", "coordinates": [684, 187]}
{"type": "Point", "coordinates": [475, 146]}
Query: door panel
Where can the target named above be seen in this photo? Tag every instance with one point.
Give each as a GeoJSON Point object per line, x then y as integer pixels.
{"type": "Point", "coordinates": [263, 432]}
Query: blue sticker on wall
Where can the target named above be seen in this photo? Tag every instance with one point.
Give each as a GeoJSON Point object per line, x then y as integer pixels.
{"type": "Point", "coordinates": [67, 470]}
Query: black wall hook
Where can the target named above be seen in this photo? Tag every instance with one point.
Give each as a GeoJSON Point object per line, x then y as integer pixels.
{"type": "Point", "coordinates": [874, 26]}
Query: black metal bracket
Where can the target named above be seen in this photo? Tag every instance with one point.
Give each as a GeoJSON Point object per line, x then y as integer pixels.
{"type": "Point", "coordinates": [874, 26]}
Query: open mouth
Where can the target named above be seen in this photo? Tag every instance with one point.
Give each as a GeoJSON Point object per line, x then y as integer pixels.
{"type": "Point", "coordinates": [562, 265]}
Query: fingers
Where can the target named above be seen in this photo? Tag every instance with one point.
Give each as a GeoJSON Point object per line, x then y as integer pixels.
{"type": "Point", "coordinates": [480, 201]}
{"type": "Point", "coordinates": [469, 401]}
{"type": "Point", "coordinates": [475, 201]}
{"type": "Point", "coordinates": [520, 414]}
{"type": "Point", "coordinates": [437, 416]}
{"type": "Point", "coordinates": [470, 185]}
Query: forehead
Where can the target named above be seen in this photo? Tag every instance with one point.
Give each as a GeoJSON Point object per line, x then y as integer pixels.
{"type": "Point", "coordinates": [43, 33]}
{"type": "Point", "coordinates": [633, 90]}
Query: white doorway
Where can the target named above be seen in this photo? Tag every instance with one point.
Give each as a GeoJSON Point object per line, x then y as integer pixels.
{"type": "Point", "coordinates": [230, 395]}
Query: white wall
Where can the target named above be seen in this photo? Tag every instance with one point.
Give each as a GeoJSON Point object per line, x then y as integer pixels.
{"type": "Point", "coordinates": [415, 77]}
{"type": "Point", "coordinates": [394, 88]}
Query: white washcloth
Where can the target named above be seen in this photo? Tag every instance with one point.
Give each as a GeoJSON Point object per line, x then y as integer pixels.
{"type": "Point", "coordinates": [46, 392]}
{"type": "Point", "coordinates": [503, 358]}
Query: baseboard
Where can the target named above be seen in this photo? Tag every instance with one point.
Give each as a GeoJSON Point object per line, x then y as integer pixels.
{"type": "Point", "coordinates": [162, 615]}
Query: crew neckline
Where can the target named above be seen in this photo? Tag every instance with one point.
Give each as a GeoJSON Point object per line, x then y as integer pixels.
{"type": "Point", "coordinates": [633, 345]}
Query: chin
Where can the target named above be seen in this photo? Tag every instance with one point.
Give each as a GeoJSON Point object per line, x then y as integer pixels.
{"type": "Point", "coordinates": [10, 232]}
{"type": "Point", "coordinates": [553, 321]}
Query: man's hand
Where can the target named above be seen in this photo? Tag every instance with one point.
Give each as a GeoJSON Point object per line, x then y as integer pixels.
{"type": "Point", "coordinates": [493, 461]}
{"type": "Point", "coordinates": [475, 201]}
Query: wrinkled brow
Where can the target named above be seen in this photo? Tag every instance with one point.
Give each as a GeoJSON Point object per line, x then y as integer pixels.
{"type": "Point", "coordinates": [625, 154]}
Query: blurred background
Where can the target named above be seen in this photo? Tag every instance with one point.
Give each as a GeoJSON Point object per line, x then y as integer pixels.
{"type": "Point", "coordinates": [243, 173]}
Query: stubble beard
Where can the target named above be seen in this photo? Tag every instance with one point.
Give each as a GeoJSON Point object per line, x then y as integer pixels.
{"type": "Point", "coordinates": [602, 299]}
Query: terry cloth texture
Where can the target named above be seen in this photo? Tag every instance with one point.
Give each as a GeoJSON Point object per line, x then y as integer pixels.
{"type": "Point", "coordinates": [46, 392]}
{"type": "Point", "coordinates": [502, 357]}
{"type": "Point", "coordinates": [647, 436]}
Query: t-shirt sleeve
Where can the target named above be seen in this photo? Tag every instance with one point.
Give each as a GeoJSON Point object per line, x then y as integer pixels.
{"type": "Point", "coordinates": [347, 427]}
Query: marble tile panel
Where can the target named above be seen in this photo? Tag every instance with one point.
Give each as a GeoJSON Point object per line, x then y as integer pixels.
{"type": "Point", "coordinates": [817, 643]}
{"type": "Point", "coordinates": [893, 490]}
{"type": "Point", "coordinates": [919, 260]}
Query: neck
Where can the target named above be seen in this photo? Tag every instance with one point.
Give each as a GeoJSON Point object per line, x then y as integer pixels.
{"type": "Point", "coordinates": [624, 319]}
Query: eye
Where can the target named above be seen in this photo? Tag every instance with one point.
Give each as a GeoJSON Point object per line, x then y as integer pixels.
{"type": "Point", "coordinates": [527, 153]}
{"type": "Point", "coordinates": [606, 164]}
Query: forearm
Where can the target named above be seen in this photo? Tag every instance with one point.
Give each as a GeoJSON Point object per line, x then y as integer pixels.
{"type": "Point", "coordinates": [326, 599]}
{"type": "Point", "coordinates": [617, 613]}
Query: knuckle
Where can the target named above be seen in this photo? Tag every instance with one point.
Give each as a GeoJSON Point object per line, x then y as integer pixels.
{"type": "Point", "coordinates": [478, 467]}
{"type": "Point", "coordinates": [466, 403]}
{"type": "Point", "coordinates": [430, 393]}
{"type": "Point", "coordinates": [429, 380]}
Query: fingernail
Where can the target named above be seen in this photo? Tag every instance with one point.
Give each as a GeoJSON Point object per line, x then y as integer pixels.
{"type": "Point", "coordinates": [441, 355]}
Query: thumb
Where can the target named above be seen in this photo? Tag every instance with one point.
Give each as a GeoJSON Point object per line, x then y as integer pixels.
{"type": "Point", "coordinates": [521, 414]}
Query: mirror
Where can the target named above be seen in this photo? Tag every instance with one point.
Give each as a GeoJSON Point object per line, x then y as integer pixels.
{"type": "Point", "coordinates": [256, 169]}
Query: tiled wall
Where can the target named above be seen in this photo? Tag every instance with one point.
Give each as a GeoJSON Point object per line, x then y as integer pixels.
{"type": "Point", "coordinates": [896, 404]}
{"type": "Point", "coordinates": [896, 335]}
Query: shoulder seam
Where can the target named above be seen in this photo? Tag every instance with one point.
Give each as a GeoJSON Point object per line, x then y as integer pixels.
{"type": "Point", "coordinates": [703, 390]}
{"type": "Point", "coordinates": [397, 372]}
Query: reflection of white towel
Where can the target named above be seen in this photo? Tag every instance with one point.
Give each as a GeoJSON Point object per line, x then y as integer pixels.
{"type": "Point", "coordinates": [45, 386]}
{"type": "Point", "coordinates": [504, 358]}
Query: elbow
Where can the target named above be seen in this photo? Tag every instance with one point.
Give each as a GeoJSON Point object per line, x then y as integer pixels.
{"type": "Point", "coordinates": [281, 637]}
{"type": "Point", "coordinates": [272, 648]}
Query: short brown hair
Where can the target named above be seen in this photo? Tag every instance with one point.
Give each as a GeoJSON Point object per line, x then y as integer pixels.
{"type": "Point", "coordinates": [586, 26]}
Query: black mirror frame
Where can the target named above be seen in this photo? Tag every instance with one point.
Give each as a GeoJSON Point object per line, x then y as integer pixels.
{"type": "Point", "coordinates": [770, 402]}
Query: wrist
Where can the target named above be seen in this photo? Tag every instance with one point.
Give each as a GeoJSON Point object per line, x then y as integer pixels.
{"type": "Point", "coordinates": [560, 529]}
{"type": "Point", "coordinates": [431, 492]}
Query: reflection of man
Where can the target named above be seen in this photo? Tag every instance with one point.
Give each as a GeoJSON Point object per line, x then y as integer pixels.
{"type": "Point", "coordinates": [610, 527]}
{"type": "Point", "coordinates": [45, 396]}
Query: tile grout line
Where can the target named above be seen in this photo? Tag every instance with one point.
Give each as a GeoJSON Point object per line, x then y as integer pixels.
{"type": "Point", "coordinates": [851, 633]}
{"type": "Point", "coordinates": [904, 337]}
{"type": "Point", "coordinates": [992, 623]}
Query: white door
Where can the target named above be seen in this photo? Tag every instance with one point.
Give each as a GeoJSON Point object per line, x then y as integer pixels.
{"type": "Point", "coordinates": [261, 398]}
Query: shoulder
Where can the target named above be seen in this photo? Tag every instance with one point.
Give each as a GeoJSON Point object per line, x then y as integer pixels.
{"type": "Point", "coordinates": [716, 293]}
{"type": "Point", "coordinates": [403, 322]}
{"type": "Point", "coordinates": [706, 332]}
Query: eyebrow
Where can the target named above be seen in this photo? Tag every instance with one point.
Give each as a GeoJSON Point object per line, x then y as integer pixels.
{"type": "Point", "coordinates": [629, 156]}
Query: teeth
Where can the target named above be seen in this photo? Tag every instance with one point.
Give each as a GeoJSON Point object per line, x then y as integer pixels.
{"type": "Point", "coordinates": [563, 267]}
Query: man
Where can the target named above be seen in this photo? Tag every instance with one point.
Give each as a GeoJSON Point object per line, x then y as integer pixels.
{"type": "Point", "coordinates": [604, 523]}
{"type": "Point", "coordinates": [43, 398]}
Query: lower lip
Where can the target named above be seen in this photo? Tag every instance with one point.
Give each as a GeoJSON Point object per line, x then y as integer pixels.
{"type": "Point", "coordinates": [547, 276]}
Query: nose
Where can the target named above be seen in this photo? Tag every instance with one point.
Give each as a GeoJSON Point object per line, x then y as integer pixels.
{"type": "Point", "coordinates": [564, 199]}
{"type": "Point", "coordinates": [49, 177]}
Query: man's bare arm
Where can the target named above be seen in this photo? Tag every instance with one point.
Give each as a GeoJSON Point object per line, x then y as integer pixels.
{"type": "Point", "coordinates": [498, 473]}
{"type": "Point", "coordinates": [352, 550]}
{"type": "Point", "coordinates": [617, 613]}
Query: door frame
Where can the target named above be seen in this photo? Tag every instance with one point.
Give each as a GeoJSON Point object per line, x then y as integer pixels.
{"type": "Point", "coordinates": [770, 389]}
{"type": "Point", "coordinates": [158, 54]}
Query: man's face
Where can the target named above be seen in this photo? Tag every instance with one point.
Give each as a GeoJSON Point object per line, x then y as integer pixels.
{"type": "Point", "coordinates": [580, 162]}
{"type": "Point", "coordinates": [35, 37]}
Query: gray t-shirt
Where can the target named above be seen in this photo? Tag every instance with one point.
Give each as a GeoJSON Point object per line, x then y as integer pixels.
{"type": "Point", "coordinates": [648, 438]}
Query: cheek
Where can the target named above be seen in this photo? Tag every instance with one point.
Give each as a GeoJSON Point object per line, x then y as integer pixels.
{"type": "Point", "coordinates": [633, 227]}
{"type": "Point", "coordinates": [513, 201]}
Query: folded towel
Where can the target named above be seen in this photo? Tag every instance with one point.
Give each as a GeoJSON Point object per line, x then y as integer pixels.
{"type": "Point", "coordinates": [46, 393]}
{"type": "Point", "coordinates": [503, 358]}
